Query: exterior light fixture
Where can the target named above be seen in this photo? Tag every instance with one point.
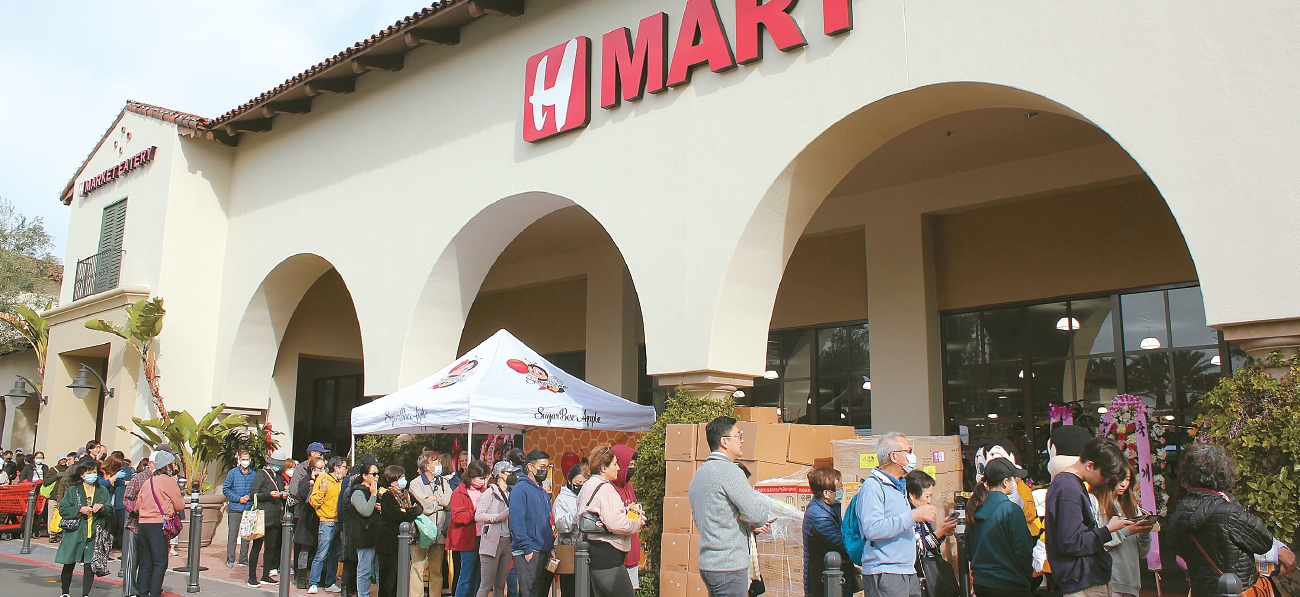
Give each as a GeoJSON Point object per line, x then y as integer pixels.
{"type": "Point", "coordinates": [993, 415]}
{"type": "Point", "coordinates": [1066, 324]}
{"type": "Point", "coordinates": [738, 393]}
{"type": "Point", "coordinates": [1101, 410]}
{"type": "Point", "coordinates": [1149, 343]}
{"type": "Point", "coordinates": [866, 383]}
{"type": "Point", "coordinates": [81, 386]}
{"type": "Point", "coordinates": [19, 395]}
{"type": "Point", "coordinates": [770, 374]}
{"type": "Point", "coordinates": [1022, 374]}
{"type": "Point", "coordinates": [1216, 360]}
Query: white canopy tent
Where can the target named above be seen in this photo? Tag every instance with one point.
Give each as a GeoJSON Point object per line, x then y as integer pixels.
{"type": "Point", "coordinates": [501, 386]}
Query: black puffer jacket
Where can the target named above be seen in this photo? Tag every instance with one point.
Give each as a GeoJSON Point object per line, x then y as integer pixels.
{"type": "Point", "coordinates": [1230, 535]}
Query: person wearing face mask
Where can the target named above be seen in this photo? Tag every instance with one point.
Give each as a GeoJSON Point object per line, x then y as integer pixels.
{"type": "Point", "coordinates": [886, 521]}
{"type": "Point", "coordinates": [324, 500]}
{"type": "Point", "coordinates": [1001, 546]}
{"type": "Point", "coordinates": [532, 540]}
{"type": "Point", "coordinates": [821, 532]}
{"type": "Point", "coordinates": [89, 503]}
{"type": "Point", "coordinates": [238, 490]}
{"type": "Point", "coordinates": [395, 507]}
{"type": "Point", "coordinates": [432, 491]}
{"type": "Point", "coordinates": [270, 488]}
{"type": "Point", "coordinates": [462, 532]}
{"type": "Point", "coordinates": [930, 538]}
{"type": "Point", "coordinates": [158, 497]}
{"type": "Point", "coordinates": [565, 513]}
{"type": "Point", "coordinates": [493, 517]}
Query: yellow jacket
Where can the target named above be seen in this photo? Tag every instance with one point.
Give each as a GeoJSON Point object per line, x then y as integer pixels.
{"type": "Point", "coordinates": [325, 498]}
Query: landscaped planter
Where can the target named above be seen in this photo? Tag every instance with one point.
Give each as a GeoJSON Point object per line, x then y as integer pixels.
{"type": "Point", "coordinates": [212, 514]}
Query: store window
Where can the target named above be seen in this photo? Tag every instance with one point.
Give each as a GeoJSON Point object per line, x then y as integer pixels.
{"type": "Point", "coordinates": [1004, 368]}
{"type": "Point", "coordinates": [818, 376]}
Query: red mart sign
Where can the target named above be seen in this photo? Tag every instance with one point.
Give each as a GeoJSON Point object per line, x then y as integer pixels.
{"type": "Point", "coordinates": [557, 81]}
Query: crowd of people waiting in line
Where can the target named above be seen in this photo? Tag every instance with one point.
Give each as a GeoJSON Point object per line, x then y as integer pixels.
{"type": "Point", "coordinates": [1095, 532]}
{"type": "Point", "coordinates": [502, 529]}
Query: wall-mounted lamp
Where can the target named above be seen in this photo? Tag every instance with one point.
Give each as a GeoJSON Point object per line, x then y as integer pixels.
{"type": "Point", "coordinates": [866, 383]}
{"type": "Point", "coordinates": [770, 374]}
{"type": "Point", "coordinates": [19, 394]}
{"type": "Point", "coordinates": [81, 386]}
{"type": "Point", "coordinates": [738, 394]}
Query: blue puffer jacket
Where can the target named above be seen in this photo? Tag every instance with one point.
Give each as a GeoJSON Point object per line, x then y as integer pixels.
{"type": "Point", "coordinates": [239, 484]}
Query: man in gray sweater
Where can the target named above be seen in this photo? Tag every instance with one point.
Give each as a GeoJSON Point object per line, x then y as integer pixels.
{"type": "Point", "coordinates": [726, 509]}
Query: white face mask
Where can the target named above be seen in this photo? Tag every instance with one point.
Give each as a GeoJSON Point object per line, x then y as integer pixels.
{"type": "Point", "coordinates": [911, 463]}
{"type": "Point", "coordinates": [245, 463]}
{"type": "Point", "coordinates": [39, 461]}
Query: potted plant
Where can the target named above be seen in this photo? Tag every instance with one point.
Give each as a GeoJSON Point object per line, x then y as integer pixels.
{"type": "Point", "coordinates": [197, 445]}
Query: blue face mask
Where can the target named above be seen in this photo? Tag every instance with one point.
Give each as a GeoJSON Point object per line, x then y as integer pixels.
{"type": "Point", "coordinates": [275, 467]}
{"type": "Point", "coordinates": [90, 478]}
{"type": "Point", "coordinates": [839, 496]}
{"type": "Point", "coordinates": [401, 483]}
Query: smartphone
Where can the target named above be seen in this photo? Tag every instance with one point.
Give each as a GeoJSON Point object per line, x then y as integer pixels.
{"type": "Point", "coordinates": [1143, 518]}
{"type": "Point", "coordinates": [953, 515]}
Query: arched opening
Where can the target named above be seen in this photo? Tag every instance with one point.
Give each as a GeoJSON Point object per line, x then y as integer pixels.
{"type": "Point", "coordinates": [562, 287]}
{"type": "Point", "coordinates": [298, 355]}
{"type": "Point", "coordinates": [984, 257]}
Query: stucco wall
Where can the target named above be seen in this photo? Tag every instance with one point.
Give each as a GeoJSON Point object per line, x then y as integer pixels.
{"type": "Point", "coordinates": [548, 318]}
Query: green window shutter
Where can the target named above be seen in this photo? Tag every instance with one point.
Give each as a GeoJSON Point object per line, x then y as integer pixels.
{"type": "Point", "coordinates": [108, 264]}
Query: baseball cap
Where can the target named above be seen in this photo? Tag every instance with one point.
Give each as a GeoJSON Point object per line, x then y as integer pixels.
{"type": "Point", "coordinates": [1001, 469]}
{"type": "Point", "coordinates": [317, 447]}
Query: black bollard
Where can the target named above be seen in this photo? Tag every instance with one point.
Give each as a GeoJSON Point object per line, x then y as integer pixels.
{"type": "Point", "coordinates": [1230, 585]}
{"type": "Point", "coordinates": [581, 570]}
{"type": "Point", "coordinates": [28, 522]}
{"type": "Point", "coordinates": [127, 572]}
{"type": "Point", "coordinates": [195, 541]}
{"type": "Point", "coordinates": [833, 575]}
{"type": "Point", "coordinates": [286, 551]}
{"type": "Point", "coordinates": [404, 560]}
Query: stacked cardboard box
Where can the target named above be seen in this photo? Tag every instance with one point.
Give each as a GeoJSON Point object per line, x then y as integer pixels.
{"type": "Point", "coordinates": [778, 457]}
{"type": "Point", "coordinates": [938, 456]}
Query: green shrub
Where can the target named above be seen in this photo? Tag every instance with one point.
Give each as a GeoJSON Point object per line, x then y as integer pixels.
{"type": "Point", "coordinates": [1256, 418]}
{"type": "Point", "coordinates": [680, 407]}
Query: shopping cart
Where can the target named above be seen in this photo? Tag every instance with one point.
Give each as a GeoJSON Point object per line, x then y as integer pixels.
{"type": "Point", "coordinates": [13, 508]}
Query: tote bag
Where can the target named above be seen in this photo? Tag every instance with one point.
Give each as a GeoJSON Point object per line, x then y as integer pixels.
{"type": "Point", "coordinates": [103, 545]}
{"type": "Point", "coordinates": [252, 523]}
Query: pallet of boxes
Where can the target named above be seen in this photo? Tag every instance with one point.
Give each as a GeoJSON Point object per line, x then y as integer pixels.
{"type": "Point", "coordinates": [938, 456]}
{"type": "Point", "coordinates": [778, 457]}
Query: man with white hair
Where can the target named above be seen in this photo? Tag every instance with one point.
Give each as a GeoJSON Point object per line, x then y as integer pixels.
{"type": "Point", "coordinates": [886, 521]}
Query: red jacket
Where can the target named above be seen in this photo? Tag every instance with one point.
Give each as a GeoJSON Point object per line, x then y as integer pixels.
{"type": "Point", "coordinates": [462, 533]}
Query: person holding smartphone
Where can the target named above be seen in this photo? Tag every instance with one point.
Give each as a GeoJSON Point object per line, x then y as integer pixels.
{"type": "Point", "coordinates": [1130, 544]}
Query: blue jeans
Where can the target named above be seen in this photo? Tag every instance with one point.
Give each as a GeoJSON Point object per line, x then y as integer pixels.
{"type": "Point", "coordinates": [325, 536]}
{"type": "Point", "coordinates": [365, 561]}
{"type": "Point", "coordinates": [469, 574]}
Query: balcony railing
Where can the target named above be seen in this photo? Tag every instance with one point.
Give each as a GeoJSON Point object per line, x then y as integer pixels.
{"type": "Point", "coordinates": [97, 273]}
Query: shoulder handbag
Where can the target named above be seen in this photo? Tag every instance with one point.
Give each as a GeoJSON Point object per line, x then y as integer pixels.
{"type": "Point", "coordinates": [1263, 586]}
{"type": "Point", "coordinates": [589, 522]}
{"type": "Point", "coordinates": [173, 522]}
{"type": "Point", "coordinates": [937, 577]}
{"type": "Point", "coordinates": [103, 545]}
{"type": "Point", "coordinates": [74, 523]}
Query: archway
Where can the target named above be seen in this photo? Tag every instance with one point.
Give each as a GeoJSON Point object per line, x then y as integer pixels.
{"type": "Point", "coordinates": [997, 214]}
{"type": "Point", "coordinates": [299, 345]}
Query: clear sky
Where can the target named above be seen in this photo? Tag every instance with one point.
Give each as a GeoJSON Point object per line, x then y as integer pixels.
{"type": "Point", "coordinates": [71, 66]}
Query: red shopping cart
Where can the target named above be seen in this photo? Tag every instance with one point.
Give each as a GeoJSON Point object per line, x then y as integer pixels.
{"type": "Point", "coordinates": [13, 508]}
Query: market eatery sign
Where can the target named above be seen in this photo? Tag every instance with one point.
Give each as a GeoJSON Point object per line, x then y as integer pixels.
{"type": "Point", "coordinates": [557, 82]}
{"type": "Point", "coordinates": [119, 170]}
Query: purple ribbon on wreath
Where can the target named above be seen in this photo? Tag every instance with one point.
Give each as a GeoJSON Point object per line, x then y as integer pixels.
{"type": "Point", "coordinates": [1146, 482]}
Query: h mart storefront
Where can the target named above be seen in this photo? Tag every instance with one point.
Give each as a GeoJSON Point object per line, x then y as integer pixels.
{"type": "Point", "coordinates": [906, 215]}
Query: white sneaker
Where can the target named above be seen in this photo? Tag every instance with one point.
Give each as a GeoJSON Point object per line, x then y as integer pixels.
{"type": "Point", "coordinates": [254, 584]}
{"type": "Point", "coordinates": [273, 572]}
{"type": "Point", "coordinates": [173, 552]}
{"type": "Point", "coordinates": [312, 590]}
{"type": "Point", "coordinates": [334, 588]}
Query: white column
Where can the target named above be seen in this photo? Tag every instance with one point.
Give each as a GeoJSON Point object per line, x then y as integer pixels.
{"type": "Point", "coordinates": [612, 310]}
{"type": "Point", "coordinates": [906, 374]}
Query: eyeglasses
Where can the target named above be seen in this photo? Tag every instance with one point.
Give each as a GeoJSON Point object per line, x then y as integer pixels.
{"type": "Point", "coordinates": [318, 470]}
{"type": "Point", "coordinates": [907, 451]}
{"type": "Point", "coordinates": [370, 474]}
{"type": "Point", "coordinates": [740, 435]}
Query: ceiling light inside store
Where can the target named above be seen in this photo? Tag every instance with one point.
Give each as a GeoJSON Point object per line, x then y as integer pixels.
{"type": "Point", "coordinates": [1022, 374]}
{"type": "Point", "coordinates": [993, 415]}
{"type": "Point", "coordinates": [1066, 324]}
{"type": "Point", "coordinates": [1101, 410]}
{"type": "Point", "coordinates": [1169, 417]}
{"type": "Point", "coordinates": [866, 383]}
{"type": "Point", "coordinates": [738, 393]}
{"type": "Point", "coordinates": [1216, 360]}
{"type": "Point", "coordinates": [1149, 343]}
{"type": "Point", "coordinates": [770, 374]}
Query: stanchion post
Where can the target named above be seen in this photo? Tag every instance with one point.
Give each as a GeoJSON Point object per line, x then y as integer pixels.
{"type": "Point", "coordinates": [1230, 584]}
{"type": "Point", "coordinates": [127, 572]}
{"type": "Point", "coordinates": [404, 560]}
{"type": "Point", "coordinates": [833, 575]}
{"type": "Point", "coordinates": [28, 522]}
{"type": "Point", "coordinates": [286, 552]}
{"type": "Point", "coordinates": [581, 570]}
{"type": "Point", "coordinates": [195, 541]}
